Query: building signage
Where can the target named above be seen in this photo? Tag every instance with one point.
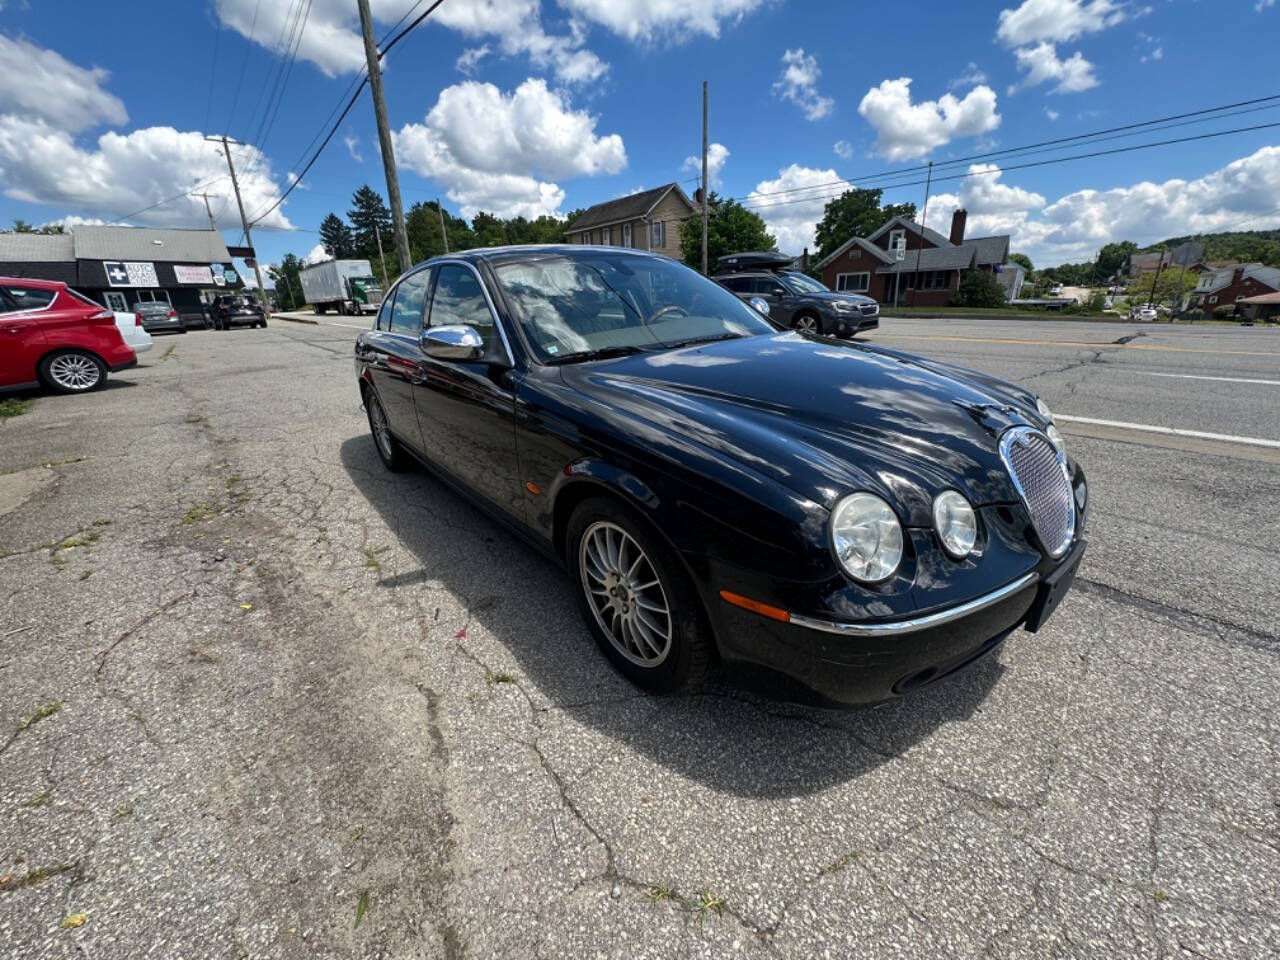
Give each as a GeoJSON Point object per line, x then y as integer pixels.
{"type": "Point", "coordinates": [129, 273]}
{"type": "Point", "coordinates": [217, 269]}
{"type": "Point", "coordinates": [219, 280]}
{"type": "Point", "coordinates": [231, 276]}
{"type": "Point", "coordinates": [200, 275]}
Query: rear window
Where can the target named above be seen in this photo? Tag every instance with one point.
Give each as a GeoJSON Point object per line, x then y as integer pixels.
{"type": "Point", "coordinates": [84, 298]}
{"type": "Point", "coordinates": [30, 298]}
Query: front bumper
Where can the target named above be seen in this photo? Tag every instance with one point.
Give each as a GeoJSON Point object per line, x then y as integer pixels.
{"type": "Point", "coordinates": [847, 324]}
{"type": "Point", "coordinates": [846, 664]}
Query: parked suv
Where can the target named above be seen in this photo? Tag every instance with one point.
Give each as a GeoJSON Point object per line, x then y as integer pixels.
{"type": "Point", "coordinates": [794, 299]}
{"type": "Point", "coordinates": [237, 311]}
{"type": "Point", "coordinates": [55, 336]}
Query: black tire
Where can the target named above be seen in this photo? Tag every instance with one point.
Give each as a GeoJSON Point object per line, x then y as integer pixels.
{"type": "Point", "coordinates": [72, 371]}
{"type": "Point", "coordinates": [263, 324]}
{"type": "Point", "coordinates": [392, 455]}
{"type": "Point", "coordinates": [685, 660]}
{"type": "Point", "coordinates": [182, 329]}
{"type": "Point", "coordinates": [805, 318]}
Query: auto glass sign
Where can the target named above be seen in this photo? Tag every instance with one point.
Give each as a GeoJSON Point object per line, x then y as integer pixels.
{"type": "Point", "coordinates": [130, 273]}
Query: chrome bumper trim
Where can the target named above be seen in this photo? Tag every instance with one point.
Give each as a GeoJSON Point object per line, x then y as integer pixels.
{"type": "Point", "coordinates": [896, 627]}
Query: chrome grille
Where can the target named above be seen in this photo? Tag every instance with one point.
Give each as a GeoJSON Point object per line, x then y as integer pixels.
{"type": "Point", "coordinates": [1040, 476]}
{"type": "Point", "coordinates": [869, 309]}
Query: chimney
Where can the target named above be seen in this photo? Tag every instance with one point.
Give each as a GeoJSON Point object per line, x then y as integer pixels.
{"type": "Point", "coordinates": [958, 220]}
{"type": "Point", "coordinates": [804, 260]}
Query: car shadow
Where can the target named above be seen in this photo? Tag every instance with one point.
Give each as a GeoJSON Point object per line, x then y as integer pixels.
{"type": "Point", "coordinates": [722, 736]}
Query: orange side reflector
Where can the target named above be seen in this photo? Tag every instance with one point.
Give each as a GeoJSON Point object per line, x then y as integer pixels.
{"type": "Point", "coordinates": [755, 606]}
{"type": "Point", "coordinates": [532, 487]}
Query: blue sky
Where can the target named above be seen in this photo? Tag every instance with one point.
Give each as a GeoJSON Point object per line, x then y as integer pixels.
{"type": "Point", "coordinates": [516, 106]}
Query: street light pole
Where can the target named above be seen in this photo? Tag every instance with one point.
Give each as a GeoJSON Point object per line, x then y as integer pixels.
{"type": "Point", "coordinates": [706, 192]}
{"type": "Point", "coordinates": [248, 237]}
{"type": "Point", "coordinates": [384, 136]}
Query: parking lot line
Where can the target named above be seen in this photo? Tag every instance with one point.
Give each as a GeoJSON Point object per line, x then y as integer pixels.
{"type": "Point", "coordinates": [1172, 431]}
{"type": "Point", "coordinates": [1197, 376]}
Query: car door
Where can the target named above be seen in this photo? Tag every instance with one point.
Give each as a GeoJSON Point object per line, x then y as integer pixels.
{"type": "Point", "coordinates": [394, 356]}
{"type": "Point", "coordinates": [22, 341]}
{"type": "Point", "coordinates": [466, 408]}
{"type": "Point", "coordinates": [781, 303]}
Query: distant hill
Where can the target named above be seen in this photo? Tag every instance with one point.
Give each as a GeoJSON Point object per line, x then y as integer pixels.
{"type": "Point", "coordinates": [1260, 245]}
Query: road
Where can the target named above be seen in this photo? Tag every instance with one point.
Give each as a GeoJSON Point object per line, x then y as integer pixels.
{"type": "Point", "coordinates": [250, 681]}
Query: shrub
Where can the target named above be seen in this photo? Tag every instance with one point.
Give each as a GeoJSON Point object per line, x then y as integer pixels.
{"type": "Point", "coordinates": [979, 288]}
{"type": "Point", "coordinates": [1224, 312]}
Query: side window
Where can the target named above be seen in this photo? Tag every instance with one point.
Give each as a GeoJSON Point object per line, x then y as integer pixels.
{"type": "Point", "coordinates": [769, 286]}
{"type": "Point", "coordinates": [739, 284]}
{"type": "Point", "coordinates": [411, 293]}
{"type": "Point", "coordinates": [29, 298]}
{"type": "Point", "coordinates": [459, 300]}
{"type": "Point", "coordinates": [6, 304]}
{"type": "Point", "coordinates": [384, 312]}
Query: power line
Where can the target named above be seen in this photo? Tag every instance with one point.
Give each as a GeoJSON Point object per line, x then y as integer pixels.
{"type": "Point", "coordinates": [281, 84]}
{"type": "Point", "coordinates": [176, 196]}
{"type": "Point", "coordinates": [235, 100]}
{"type": "Point", "coordinates": [1038, 163]}
{"type": "Point", "coordinates": [1136, 127]}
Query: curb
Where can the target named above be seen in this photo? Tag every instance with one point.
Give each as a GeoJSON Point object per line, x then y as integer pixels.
{"type": "Point", "coordinates": [281, 316]}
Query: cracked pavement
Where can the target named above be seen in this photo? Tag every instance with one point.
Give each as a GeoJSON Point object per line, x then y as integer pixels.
{"type": "Point", "coordinates": [248, 678]}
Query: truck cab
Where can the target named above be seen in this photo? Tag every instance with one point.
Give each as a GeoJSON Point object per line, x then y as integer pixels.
{"type": "Point", "coordinates": [364, 293]}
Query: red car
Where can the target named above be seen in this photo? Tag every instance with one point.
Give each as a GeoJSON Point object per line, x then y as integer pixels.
{"type": "Point", "coordinates": [52, 335]}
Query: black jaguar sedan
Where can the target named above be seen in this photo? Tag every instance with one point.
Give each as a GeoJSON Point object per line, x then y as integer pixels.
{"type": "Point", "coordinates": [835, 522]}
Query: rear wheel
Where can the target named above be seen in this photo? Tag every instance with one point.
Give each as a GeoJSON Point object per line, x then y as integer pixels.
{"type": "Point", "coordinates": [636, 598]}
{"type": "Point", "coordinates": [73, 371]}
{"type": "Point", "coordinates": [390, 452]}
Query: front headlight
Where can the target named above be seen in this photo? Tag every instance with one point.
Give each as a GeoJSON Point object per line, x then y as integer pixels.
{"type": "Point", "coordinates": [846, 306]}
{"type": "Point", "coordinates": [867, 537]}
{"type": "Point", "coordinates": [955, 523]}
{"type": "Point", "coordinates": [1051, 431]}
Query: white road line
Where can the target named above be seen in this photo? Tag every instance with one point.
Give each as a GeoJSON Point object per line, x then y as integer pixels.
{"type": "Point", "coordinates": [1172, 431]}
{"type": "Point", "coordinates": [1194, 376]}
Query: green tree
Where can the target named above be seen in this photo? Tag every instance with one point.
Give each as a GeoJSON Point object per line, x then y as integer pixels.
{"type": "Point", "coordinates": [368, 216]}
{"type": "Point", "coordinates": [336, 237]}
{"type": "Point", "coordinates": [856, 213]}
{"type": "Point", "coordinates": [288, 285]}
{"type": "Point", "coordinates": [1167, 290]}
{"type": "Point", "coordinates": [979, 288]}
{"type": "Point", "coordinates": [1112, 257]}
{"type": "Point", "coordinates": [422, 224]}
{"type": "Point", "coordinates": [490, 230]}
{"type": "Point", "coordinates": [731, 228]}
{"type": "Point", "coordinates": [1024, 260]}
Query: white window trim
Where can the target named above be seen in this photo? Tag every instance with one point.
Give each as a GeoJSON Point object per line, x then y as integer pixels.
{"type": "Point", "coordinates": [626, 234]}
{"type": "Point", "coordinates": [606, 237]}
{"type": "Point", "coordinates": [660, 227]}
{"type": "Point", "coordinates": [893, 238]}
{"type": "Point", "coordinates": [866, 286]}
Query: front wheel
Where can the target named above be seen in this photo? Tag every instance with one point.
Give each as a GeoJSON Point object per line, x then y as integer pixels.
{"type": "Point", "coordinates": [807, 323]}
{"type": "Point", "coordinates": [636, 598]}
{"type": "Point", "coordinates": [73, 371]}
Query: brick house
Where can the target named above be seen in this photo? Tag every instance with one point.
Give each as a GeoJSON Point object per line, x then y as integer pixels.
{"type": "Point", "coordinates": [1232, 284]}
{"type": "Point", "coordinates": [649, 220]}
{"type": "Point", "coordinates": [931, 271]}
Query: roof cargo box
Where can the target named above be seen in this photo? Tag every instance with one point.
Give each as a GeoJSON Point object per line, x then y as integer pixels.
{"type": "Point", "coordinates": [753, 261]}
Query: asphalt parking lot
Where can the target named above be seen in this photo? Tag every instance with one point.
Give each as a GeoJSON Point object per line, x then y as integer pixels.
{"type": "Point", "coordinates": [261, 698]}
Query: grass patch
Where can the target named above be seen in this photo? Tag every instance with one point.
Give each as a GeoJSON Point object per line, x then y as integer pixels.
{"type": "Point", "coordinates": [708, 903]}
{"type": "Point", "coordinates": [362, 907]}
{"type": "Point", "coordinates": [39, 875]}
{"type": "Point", "coordinates": [356, 834]}
{"type": "Point", "coordinates": [1159, 896]}
{"type": "Point", "coordinates": [102, 523]}
{"type": "Point", "coordinates": [73, 920]}
{"type": "Point", "coordinates": [500, 678]}
{"type": "Point", "coordinates": [660, 892]}
{"type": "Point", "coordinates": [123, 809]}
{"type": "Point", "coordinates": [40, 800]}
{"type": "Point", "coordinates": [14, 406]}
{"type": "Point", "coordinates": [42, 713]}
{"type": "Point", "coordinates": [371, 558]}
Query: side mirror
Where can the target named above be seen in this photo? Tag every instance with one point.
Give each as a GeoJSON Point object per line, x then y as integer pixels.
{"type": "Point", "coordinates": [760, 305]}
{"type": "Point", "coordinates": [452, 342]}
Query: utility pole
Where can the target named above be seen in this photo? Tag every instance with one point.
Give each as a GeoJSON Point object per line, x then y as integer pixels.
{"type": "Point", "coordinates": [248, 237]}
{"type": "Point", "coordinates": [384, 136]}
{"type": "Point", "coordinates": [293, 297]}
{"type": "Point", "coordinates": [443, 232]}
{"type": "Point", "coordinates": [205, 197]}
{"type": "Point", "coordinates": [1159, 269]}
{"type": "Point", "coordinates": [923, 214]}
{"type": "Point", "coordinates": [706, 192]}
{"type": "Point", "coordinates": [382, 260]}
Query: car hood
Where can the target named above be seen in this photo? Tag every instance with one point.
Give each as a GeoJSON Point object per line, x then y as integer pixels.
{"type": "Point", "coordinates": [824, 418]}
{"type": "Point", "coordinates": [833, 297]}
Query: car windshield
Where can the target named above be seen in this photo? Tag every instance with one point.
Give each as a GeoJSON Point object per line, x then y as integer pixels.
{"type": "Point", "coordinates": [799, 283]}
{"type": "Point", "coordinates": [582, 307]}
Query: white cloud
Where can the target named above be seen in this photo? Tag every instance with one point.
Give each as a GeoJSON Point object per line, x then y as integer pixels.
{"type": "Point", "coordinates": [1156, 54]}
{"type": "Point", "coordinates": [1263, 5]}
{"type": "Point", "coordinates": [1240, 195]}
{"type": "Point", "coordinates": [496, 166]}
{"type": "Point", "coordinates": [1057, 21]}
{"type": "Point", "coordinates": [843, 149]}
{"type": "Point", "coordinates": [1041, 64]}
{"type": "Point", "coordinates": [717, 155]}
{"type": "Point", "coordinates": [316, 255]}
{"type": "Point", "coordinates": [793, 222]}
{"type": "Point", "coordinates": [1053, 115]}
{"type": "Point", "coordinates": [470, 58]}
{"type": "Point", "coordinates": [123, 173]}
{"type": "Point", "coordinates": [905, 130]}
{"type": "Point", "coordinates": [353, 147]}
{"type": "Point", "coordinates": [332, 38]}
{"type": "Point", "coordinates": [72, 220]}
{"type": "Point", "coordinates": [36, 83]}
{"type": "Point", "coordinates": [799, 84]}
{"type": "Point", "coordinates": [669, 19]}
{"type": "Point", "coordinates": [971, 76]}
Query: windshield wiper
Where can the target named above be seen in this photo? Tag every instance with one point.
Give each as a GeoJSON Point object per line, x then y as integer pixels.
{"type": "Point", "coordinates": [712, 338]}
{"type": "Point", "coordinates": [603, 353]}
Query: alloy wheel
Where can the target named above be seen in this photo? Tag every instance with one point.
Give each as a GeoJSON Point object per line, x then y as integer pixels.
{"type": "Point", "coordinates": [625, 594]}
{"type": "Point", "coordinates": [807, 324]}
{"type": "Point", "coordinates": [381, 430]}
{"type": "Point", "coordinates": [73, 371]}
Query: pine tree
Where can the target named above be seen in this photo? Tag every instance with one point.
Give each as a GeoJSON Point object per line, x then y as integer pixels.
{"type": "Point", "coordinates": [335, 237]}
{"type": "Point", "coordinates": [369, 212]}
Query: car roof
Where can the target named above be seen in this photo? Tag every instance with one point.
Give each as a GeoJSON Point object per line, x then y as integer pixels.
{"type": "Point", "coordinates": [572, 251]}
{"type": "Point", "coordinates": [33, 282]}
